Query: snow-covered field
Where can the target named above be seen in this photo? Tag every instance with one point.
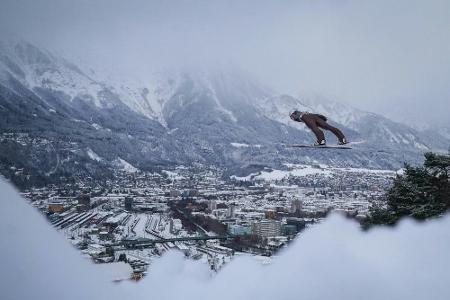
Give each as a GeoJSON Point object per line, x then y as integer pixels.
{"type": "Point", "coordinates": [298, 170]}
{"type": "Point", "coordinates": [173, 175]}
{"type": "Point", "coordinates": [125, 166]}
{"type": "Point", "coordinates": [92, 155]}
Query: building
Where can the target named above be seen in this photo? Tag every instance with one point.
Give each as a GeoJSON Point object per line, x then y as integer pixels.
{"type": "Point", "coordinates": [190, 193]}
{"type": "Point", "coordinates": [84, 202]}
{"type": "Point", "coordinates": [129, 203]}
{"type": "Point", "coordinates": [95, 249]}
{"type": "Point", "coordinates": [267, 228]}
{"type": "Point", "coordinates": [235, 229]}
{"type": "Point", "coordinates": [212, 205]}
{"type": "Point", "coordinates": [175, 226]}
{"type": "Point", "coordinates": [56, 206]}
{"type": "Point", "coordinates": [231, 209]}
{"type": "Point", "coordinates": [104, 235]}
{"type": "Point", "coordinates": [287, 229]}
{"type": "Point", "coordinates": [270, 214]}
{"type": "Point", "coordinates": [174, 193]}
{"type": "Point", "coordinates": [299, 223]}
{"type": "Point", "coordinates": [296, 206]}
{"type": "Point", "coordinates": [114, 221]}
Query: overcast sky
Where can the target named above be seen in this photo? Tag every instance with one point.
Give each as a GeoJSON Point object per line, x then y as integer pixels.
{"type": "Point", "coordinates": [390, 57]}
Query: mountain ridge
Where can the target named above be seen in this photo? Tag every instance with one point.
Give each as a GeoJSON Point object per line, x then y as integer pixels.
{"type": "Point", "coordinates": [177, 118]}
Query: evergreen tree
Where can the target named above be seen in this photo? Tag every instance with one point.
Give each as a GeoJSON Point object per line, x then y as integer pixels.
{"type": "Point", "coordinates": [421, 193]}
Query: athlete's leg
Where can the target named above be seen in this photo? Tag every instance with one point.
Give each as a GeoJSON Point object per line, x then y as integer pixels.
{"type": "Point", "coordinates": [322, 124]}
{"type": "Point", "coordinates": [312, 124]}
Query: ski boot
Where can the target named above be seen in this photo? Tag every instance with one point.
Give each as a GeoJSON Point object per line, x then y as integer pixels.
{"type": "Point", "coordinates": [343, 142]}
{"type": "Point", "coordinates": [320, 143]}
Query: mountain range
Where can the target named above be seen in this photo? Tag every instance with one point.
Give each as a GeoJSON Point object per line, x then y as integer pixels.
{"type": "Point", "coordinates": [59, 119]}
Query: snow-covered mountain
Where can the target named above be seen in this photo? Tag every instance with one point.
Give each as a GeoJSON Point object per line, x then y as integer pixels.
{"type": "Point", "coordinates": [91, 121]}
{"type": "Point", "coordinates": [376, 129]}
{"type": "Point", "coordinates": [37, 69]}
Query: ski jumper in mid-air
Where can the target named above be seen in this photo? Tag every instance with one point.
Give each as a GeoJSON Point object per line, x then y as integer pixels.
{"type": "Point", "coordinates": [315, 122]}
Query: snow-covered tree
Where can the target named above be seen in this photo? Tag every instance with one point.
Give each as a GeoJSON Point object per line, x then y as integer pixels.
{"type": "Point", "coordinates": [422, 192]}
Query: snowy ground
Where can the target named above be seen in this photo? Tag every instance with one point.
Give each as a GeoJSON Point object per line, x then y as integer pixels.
{"type": "Point", "coordinates": [298, 170]}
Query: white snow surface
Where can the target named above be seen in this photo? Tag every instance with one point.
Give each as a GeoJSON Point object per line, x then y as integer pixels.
{"type": "Point", "coordinates": [116, 270]}
{"type": "Point", "coordinates": [273, 175]}
{"type": "Point", "coordinates": [243, 145]}
{"type": "Point", "coordinates": [278, 108]}
{"type": "Point", "coordinates": [125, 166]}
{"type": "Point", "coordinates": [339, 112]}
{"type": "Point", "coordinates": [42, 68]}
{"type": "Point", "coordinates": [333, 260]}
{"type": "Point", "coordinates": [146, 96]}
{"type": "Point", "coordinates": [173, 175]}
{"type": "Point", "coordinates": [92, 155]}
{"type": "Point", "coordinates": [96, 126]}
{"type": "Point", "coordinates": [299, 170]}
{"type": "Point", "coordinates": [240, 145]}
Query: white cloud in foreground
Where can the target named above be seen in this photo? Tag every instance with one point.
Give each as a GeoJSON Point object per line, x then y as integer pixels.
{"type": "Point", "coordinates": [334, 260]}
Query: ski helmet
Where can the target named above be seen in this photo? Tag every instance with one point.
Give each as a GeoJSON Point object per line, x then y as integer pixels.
{"type": "Point", "coordinates": [295, 115]}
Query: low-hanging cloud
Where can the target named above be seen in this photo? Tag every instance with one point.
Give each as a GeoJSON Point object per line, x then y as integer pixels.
{"type": "Point", "coordinates": [385, 56]}
{"type": "Point", "coordinates": [333, 260]}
